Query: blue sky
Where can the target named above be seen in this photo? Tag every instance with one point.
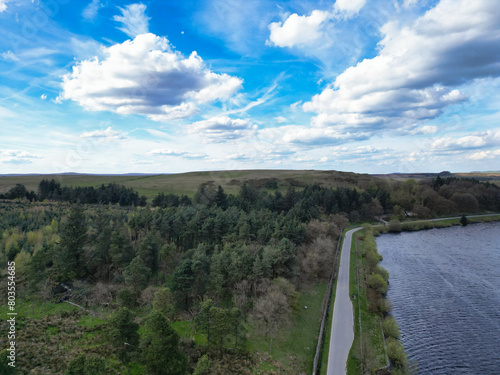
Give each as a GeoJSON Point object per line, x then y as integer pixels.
{"type": "Point", "coordinates": [367, 86]}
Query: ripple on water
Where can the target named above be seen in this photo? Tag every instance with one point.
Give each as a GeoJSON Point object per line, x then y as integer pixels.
{"type": "Point", "coordinates": [445, 291]}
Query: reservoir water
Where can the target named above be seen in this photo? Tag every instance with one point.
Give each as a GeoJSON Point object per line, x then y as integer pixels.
{"type": "Point", "coordinates": [445, 292]}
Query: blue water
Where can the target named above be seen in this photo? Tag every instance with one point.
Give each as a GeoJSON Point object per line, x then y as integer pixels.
{"type": "Point", "coordinates": [445, 290]}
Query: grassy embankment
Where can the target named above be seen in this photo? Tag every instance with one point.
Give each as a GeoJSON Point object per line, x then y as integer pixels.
{"type": "Point", "coordinates": [415, 225]}
{"type": "Point", "coordinates": [368, 349]}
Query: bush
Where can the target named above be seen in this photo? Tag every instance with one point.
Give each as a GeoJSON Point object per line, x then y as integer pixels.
{"type": "Point", "coordinates": [203, 366]}
{"type": "Point", "coordinates": [127, 297]}
{"type": "Point", "coordinates": [83, 365]}
{"type": "Point", "coordinates": [390, 327]}
{"type": "Point", "coordinates": [377, 283]}
{"type": "Point", "coordinates": [394, 226]}
{"type": "Point", "coordinates": [396, 354]}
{"type": "Point", "coordinates": [379, 270]}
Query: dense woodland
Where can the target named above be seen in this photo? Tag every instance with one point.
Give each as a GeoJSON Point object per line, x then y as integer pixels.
{"type": "Point", "coordinates": [230, 265]}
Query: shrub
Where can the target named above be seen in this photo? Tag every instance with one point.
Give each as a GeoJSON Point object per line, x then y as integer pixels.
{"type": "Point", "coordinates": [83, 365]}
{"type": "Point", "coordinates": [390, 327]}
{"type": "Point", "coordinates": [127, 297]}
{"type": "Point", "coordinates": [377, 283]}
{"type": "Point", "coordinates": [394, 226]}
{"type": "Point", "coordinates": [379, 270]}
{"type": "Point", "coordinates": [396, 354]}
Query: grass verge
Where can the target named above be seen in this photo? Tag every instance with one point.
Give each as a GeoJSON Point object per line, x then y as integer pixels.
{"type": "Point", "coordinates": [367, 351]}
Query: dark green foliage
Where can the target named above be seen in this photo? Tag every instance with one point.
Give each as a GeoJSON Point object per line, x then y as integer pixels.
{"type": "Point", "coordinates": [223, 327]}
{"type": "Point", "coordinates": [121, 332]}
{"type": "Point", "coordinates": [105, 194]}
{"type": "Point", "coordinates": [463, 220]}
{"type": "Point", "coordinates": [69, 257]}
{"type": "Point", "coordinates": [220, 199]}
{"type": "Point", "coordinates": [163, 302]}
{"type": "Point", "coordinates": [204, 318]}
{"type": "Point", "coordinates": [160, 347]}
{"type": "Point", "coordinates": [203, 366]}
{"type": "Point", "coordinates": [19, 191]}
{"type": "Point", "coordinates": [182, 282]}
{"type": "Point", "coordinates": [5, 369]}
{"type": "Point", "coordinates": [76, 366]}
{"type": "Point", "coordinates": [83, 365]}
{"type": "Point", "coordinates": [127, 297]}
{"type": "Point", "coordinates": [137, 274]}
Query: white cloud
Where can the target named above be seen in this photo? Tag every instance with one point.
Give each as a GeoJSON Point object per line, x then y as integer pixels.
{"type": "Point", "coordinates": [107, 133]}
{"type": "Point", "coordinates": [424, 130]}
{"type": "Point", "coordinates": [17, 157]}
{"type": "Point", "coordinates": [473, 141]}
{"type": "Point", "coordinates": [91, 10]}
{"type": "Point", "coordinates": [134, 20]}
{"type": "Point", "coordinates": [349, 7]}
{"type": "Point", "coordinates": [482, 155]}
{"type": "Point", "coordinates": [409, 3]}
{"type": "Point", "coordinates": [415, 75]}
{"type": "Point", "coordinates": [43, 96]}
{"type": "Point", "coordinates": [298, 30]}
{"type": "Point", "coordinates": [9, 55]}
{"type": "Point", "coordinates": [3, 5]}
{"type": "Point", "coordinates": [223, 129]}
{"type": "Point", "coordinates": [145, 76]}
{"type": "Point", "coordinates": [170, 152]}
{"type": "Point", "coordinates": [304, 136]}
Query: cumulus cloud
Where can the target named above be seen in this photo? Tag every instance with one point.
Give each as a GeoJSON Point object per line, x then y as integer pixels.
{"type": "Point", "coordinates": [107, 133]}
{"type": "Point", "coordinates": [415, 74]}
{"type": "Point", "coordinates": [91, 10]}
{"type": "Point", "coordinates": [223, 128]}
{"type": "Point", "coordinates": [482, 155]}
{"type": "Point", "coordinates": [473, 141]}
{"type": "Point", "coordinates": [145, 76]}
{"type": "Point", "coordinates": [3, 5]}
{"type": "Point", "coordinates": [298, 30]}
{"type": "Point", "coordinates": [17, 157]}
{"type": "Point", "coordinates": [314, 31]}
{"type": "Point", "coordinates": [349, 7]}
{"type": "Point", "coordinates": [133, 19]}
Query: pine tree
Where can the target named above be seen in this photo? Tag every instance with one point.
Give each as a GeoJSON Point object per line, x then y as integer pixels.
{"type": "Point", "coordinates": [121, 332]}
{"type": "Point", "coordinates": [69, 259]}
{"type": "Point", "coordinates": [160, 347]}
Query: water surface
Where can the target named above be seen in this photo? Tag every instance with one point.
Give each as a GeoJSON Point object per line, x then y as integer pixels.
{"type": "Point", "coordinates": [445, 291]}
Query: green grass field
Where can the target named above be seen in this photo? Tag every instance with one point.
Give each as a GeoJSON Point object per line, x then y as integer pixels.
{"type": "Point", "coordinates": [188, 183]}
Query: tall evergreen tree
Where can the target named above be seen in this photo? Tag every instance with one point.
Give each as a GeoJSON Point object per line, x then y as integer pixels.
{"type": "Point", "coordinates": [69, 257]}
{"type": "Point", "coordinates": [122, 333]}
{"type": "Point", "coordinates": [160, 347]}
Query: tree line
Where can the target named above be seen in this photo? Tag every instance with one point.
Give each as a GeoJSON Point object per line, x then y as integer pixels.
{"type": "Point", "coordinates": [52, 190]}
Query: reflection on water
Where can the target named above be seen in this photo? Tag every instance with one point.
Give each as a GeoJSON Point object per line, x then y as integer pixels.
{"type": "Point", "coordinates": [445, 291]}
